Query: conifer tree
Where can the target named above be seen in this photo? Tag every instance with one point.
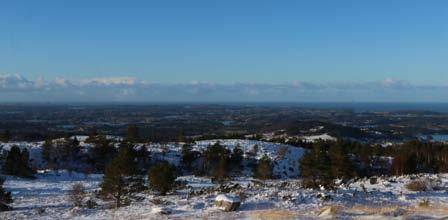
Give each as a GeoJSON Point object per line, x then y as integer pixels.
{"type": "Point", "coordinates": [17, 163]}
{"type": "Point", "coordinates": [315, 167]}
{"type": "Point", "coordinates": [236, 158]}
{"type": "Point", "coordinates": [308, 170]}
{"type": "Point", "coordinates": [133, 133]}
{"type": "Point", "coordinates": [341, 165]}
{"type": "Point", "coordinates": [264, 168]}
{"type": "Point", "coordinates": [47, 150]}
{"type": "Point", "coordinates": [162, 177]}
{"type": "Point", "coordinates": [217, 161]}
{"type": "Point", "coordinates": [102, 152]}
{"type": "Point", "coordinates": [121, 178]}
{"type": "Point", "coordinates": [93, 134]}
{"type": "Point", "coordinates": [188, 156]}
{"type": "Point", "coordinates": [181, 138]}
{"type": "Point", "coordinates": [5, 198]}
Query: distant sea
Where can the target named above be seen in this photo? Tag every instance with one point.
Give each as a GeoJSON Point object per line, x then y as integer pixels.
{"type": "Point", "coordinates": [386, 107]}
{"type": "Point", "coordinates": [376, 107]}
{"type": "Point", "coordinates": [355, 106]}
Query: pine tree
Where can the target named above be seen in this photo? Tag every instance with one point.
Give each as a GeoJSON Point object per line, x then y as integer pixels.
{"type": "Point", "coordinates": [162, 177]}
{"type": "Point", "coordinates": [17, 163]}
{"type": "Point", "coordinates": [103, 152]}
{"type": "Point", "coordinates": [71, 149]}
{"type": "Point", "coordinates": [143, 158]}
{"type": "Point", "coordinates": [5, 198]}
{"type": "Point", "coordinates": [264, 168]}
{"type": "Point", "coordinates": [181, 138]}
{"type": "Point", "coordinates": [93, 134]}
{"type": "Point", "coordinates": [133, 133]}
{"type": "Point", "coordinates": [46, 152]}
{"type": "Point", "coordinates": [188, 156]}
{"type": "Point", "coordinates": [217, 161]}
{"type": "Point", "coordinates": [236, 158]}
{"type": "Point", "coordinates": [323, 164]}
{"type": "Point", "coordinates": [308, 170]}
{"type": "Point", "coordinates": [121, 178]}
{"type": "Point", "coordinates": [315, 168]}
{"type": "Point", "coordinates": [341, 165]}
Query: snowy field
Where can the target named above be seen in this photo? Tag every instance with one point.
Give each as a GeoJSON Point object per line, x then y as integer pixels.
{"type": "Point", "coordinates": [46, 198]}
{"type": "Point", "coordinates": [386, 198]}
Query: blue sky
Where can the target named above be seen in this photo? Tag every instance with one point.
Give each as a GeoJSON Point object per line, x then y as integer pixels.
{"type": "Point", "coordinates": [327, 44]}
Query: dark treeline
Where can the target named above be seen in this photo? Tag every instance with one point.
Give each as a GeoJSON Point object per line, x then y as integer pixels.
{"type": "Point", "coordinates": [344, 160]}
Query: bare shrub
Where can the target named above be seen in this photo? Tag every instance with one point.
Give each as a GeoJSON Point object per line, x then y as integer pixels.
{"type": "Point", "coordinates": [424, 203]}
{"type": "Point", "coordinates": [76, 194]}
{"type": "Point", "coordinates": [373, 180]}
{"type": "Point", "coordinates": [423, 184]}
{"type": "Point", "coordinates": [417, 185]}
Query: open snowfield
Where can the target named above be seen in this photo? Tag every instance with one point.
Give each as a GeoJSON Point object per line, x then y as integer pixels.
{"type": "Point", "coordinates": [46, 198]}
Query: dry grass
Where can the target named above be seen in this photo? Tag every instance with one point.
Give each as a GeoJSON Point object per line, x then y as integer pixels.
{"type": "Point", "coordinates": [440, 210]}
{"type": "Point", "coordinates": [329, 211]}
{"type": "Point", "coordinates": [375, 210]}
{"type": "Point", "coordinates": [424, 203]}
{"type": "Point", "coordinates": [424, 208]}
{"type": "Point", "coordinates": [274, 214]}
{"type": "Point", "coordinates": [417, 185]}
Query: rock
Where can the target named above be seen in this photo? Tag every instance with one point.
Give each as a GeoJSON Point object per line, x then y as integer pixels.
{"type": "Point", "coordinates": [162, 210]}
{"type": "Point", "coordinates": [328, 212]}
{"type": "Point", "coordinates": [227, 203]}
{"type": "Point", "coordinates": [75, 210]}
{"type": "Point", "coordinates": [324, 197]}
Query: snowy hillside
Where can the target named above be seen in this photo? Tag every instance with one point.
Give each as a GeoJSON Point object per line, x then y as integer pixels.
{"type": "Point", "coordinates": [285, 157]}
{"type": "Point", "coordinates": [46, 197]}
{"type": "Point", "coordinates": [386, 198]}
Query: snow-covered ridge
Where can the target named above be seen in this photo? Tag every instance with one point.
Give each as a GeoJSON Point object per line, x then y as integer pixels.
{"type": "Point", "coordinates": [322, 137]}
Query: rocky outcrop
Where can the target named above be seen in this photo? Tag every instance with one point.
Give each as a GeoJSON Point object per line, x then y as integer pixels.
{"type": "Point", "coordinates": [228, 203]}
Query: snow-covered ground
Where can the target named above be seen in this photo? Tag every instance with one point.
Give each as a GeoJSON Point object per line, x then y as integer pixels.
{"type": "Point", "coordinates": [46, 198]}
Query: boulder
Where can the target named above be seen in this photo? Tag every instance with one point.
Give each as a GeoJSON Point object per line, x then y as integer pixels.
{"type": "Point", "coordinates": [328, 212]}
{"type": "Point", "coordinates": [227, 203]}
{"type": "Point", "coordinates": [162, 210]}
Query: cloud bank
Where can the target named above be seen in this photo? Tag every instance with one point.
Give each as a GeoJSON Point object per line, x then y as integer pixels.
{"type": "Point", "coordinates": [17, 88]}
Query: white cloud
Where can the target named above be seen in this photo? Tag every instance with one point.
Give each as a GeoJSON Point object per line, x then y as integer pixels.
{"type": "Point", "coordinates": [109, 81]}
{"type": "Point", "coordinates": [123, 88]}
{"type": "Point", "coordinates": [10, 81]}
